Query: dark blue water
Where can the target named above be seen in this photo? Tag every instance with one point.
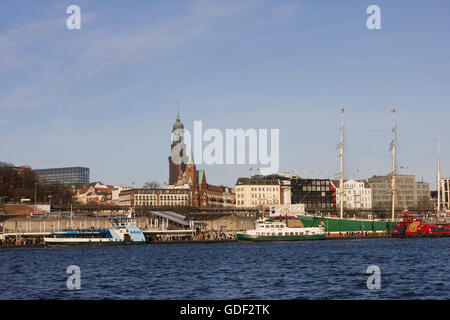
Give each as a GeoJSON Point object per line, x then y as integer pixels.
{"type": "Point", "coordinates": [334, 269]}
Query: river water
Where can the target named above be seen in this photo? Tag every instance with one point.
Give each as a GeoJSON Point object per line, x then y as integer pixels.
{"type": "Point", "coordinates": [330, 269]}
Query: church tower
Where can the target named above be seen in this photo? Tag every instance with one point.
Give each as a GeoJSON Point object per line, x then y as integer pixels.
{"type": "Point", "coordinates": [191, 171]}
{"type": "Point", "coordinates": [177, 151]}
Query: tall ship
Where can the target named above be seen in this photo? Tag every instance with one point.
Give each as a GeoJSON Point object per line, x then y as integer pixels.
{"type": "Point", "coordinates": [268, 230]}
{"type": "Point", "coordinates": [122, 231]}
{"type": "Point", "coordinates": [343, 227]}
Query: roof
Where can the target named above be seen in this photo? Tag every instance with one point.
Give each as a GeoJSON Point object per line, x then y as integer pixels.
{"type": "Point", "coordinates": [178, 124]}
{"type": "Point", "coordinates": [200, 175]}
{"type": "Point", "coordinates": [257, 181]}
{"type": "Point", "coordinates": [337, 182]}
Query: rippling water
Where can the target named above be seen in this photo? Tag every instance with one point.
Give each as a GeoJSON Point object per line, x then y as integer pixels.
{"type": "Point", "coordinates": [335, 269]}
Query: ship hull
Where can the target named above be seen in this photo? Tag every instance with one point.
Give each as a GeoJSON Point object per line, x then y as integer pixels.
{"type": "Point", "coordinates": [422, 236]}
{"type": "Point", "coordinates": [336, 227]}
{"type": "Point", "coordinates": [254, 238]}
{"type": "Point", "coordinates": [55, 242]}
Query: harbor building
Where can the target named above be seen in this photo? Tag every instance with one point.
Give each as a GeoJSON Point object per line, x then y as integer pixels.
{"type": "Point", "coordinates": [156, 197]}
{"type": "Point", "coordinates": [70, 175]}
{"type": "Point", "coordinates": [408, 192]}
{"type": "Point", "coordinates": [356, 195]}
{"type": "Point", "coordinates": [314, 193]}
{"type": "Point", "coordinates": [258, 191]}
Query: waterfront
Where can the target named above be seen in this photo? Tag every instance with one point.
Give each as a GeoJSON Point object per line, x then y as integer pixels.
{"type": "Point", "coordinates": [410, 269]}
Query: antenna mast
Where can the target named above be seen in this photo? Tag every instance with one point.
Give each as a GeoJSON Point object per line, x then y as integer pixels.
{"type": "Point", "coordinates": [439, 175]}
{"type": "Point", "coordinates": [394, 167]}
{"type": "Point", "coordinates": [341, 173]}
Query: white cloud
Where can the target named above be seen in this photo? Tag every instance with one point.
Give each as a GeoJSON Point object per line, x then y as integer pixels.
{"type": "Point", "coordinates": [56, 64]}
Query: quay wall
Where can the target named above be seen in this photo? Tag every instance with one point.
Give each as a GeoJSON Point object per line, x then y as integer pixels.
{"type": "Point", "coordinates": [230, 224]}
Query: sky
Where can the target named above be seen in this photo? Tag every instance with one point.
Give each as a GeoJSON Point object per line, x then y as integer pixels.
{"type": "Point", "coordinates": [105, 96]}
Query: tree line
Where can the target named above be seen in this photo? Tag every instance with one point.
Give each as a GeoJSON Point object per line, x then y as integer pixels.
{"type": "Point", "coordinates": [17, 183]}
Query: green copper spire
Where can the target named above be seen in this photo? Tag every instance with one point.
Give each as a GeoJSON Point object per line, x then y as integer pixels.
{"type": "Point", "coordinates": [191, 159]}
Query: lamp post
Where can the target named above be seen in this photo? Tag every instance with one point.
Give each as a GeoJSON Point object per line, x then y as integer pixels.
{"type": "Point", "coordinates": [35, 193]}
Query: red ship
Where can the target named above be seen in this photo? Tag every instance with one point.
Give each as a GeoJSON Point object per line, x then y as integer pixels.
{"type": "Point", "coordinates": [417, 226]}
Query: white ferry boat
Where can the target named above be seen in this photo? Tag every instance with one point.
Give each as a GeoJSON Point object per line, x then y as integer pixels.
{"type": "Point", "coordinates": [268, 230]}
{"type": "Point", "coordinates": [122, 231]}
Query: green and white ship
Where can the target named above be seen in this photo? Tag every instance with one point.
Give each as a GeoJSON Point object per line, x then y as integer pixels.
{"type": "Point", "coordinates": [268, 230]}
{"type": "Point", "coordinates": [337, 227]}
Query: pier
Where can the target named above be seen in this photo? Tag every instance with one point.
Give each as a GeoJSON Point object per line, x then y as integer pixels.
{"type": "Point", "coordinates": [157, 226]}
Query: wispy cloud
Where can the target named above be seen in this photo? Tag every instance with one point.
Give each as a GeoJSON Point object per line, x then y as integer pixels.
{"type": "Point", "coordinates": [58, 62]}
{"type": "Point", "coordinates": [156, 39]}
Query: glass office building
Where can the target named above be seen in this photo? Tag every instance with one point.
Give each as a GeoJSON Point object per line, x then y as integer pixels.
{"type": "Point", "coordinates": [314, 193]}
{"type": "Point", "coordinates": [72, 175]}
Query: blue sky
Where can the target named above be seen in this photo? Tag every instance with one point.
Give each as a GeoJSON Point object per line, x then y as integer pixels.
{"type": "Point", "coordinates": [105, 96]}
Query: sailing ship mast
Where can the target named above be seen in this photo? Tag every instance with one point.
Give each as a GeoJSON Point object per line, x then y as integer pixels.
{"type": "Point", "coordinates": [341, 173]}
{"type": "Point", "coordinates": [394, 167]}
{"type": "Point", "coordinates": [439, 175]}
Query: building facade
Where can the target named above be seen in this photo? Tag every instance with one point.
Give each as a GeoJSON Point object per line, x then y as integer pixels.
{"type": "Point", "coordinates": [445, 193]}
{"type": "Point", "coordinates": [95, 193]}
{"type": "Point", "coordinates": [156, 197]}
{"type": "Point", "coordinates": [70, 175]}
{"type": "Point", "coordinates": [314, 193]}
{"type": "Point", "coordinates": [356, 195]}
{"type": "Point", "coordinates": [257, 192]}
{"type": "Point", "coordinates": [408, 192]}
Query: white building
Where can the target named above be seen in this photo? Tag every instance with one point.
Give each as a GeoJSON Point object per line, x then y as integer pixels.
{"type": "Point", "coordinates": [445, 193]}
{"type": "Point", "coordinates": [357, 194]}
{"type": "Point", "coordinates": [257, 192]}
{"type": "Point", "coordinates": [116, 193]}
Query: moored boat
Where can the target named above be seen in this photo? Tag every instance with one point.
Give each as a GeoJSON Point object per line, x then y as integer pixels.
{"type": "Point", "coordinates": [122, 231]}
{"type": "Point", "coordinates": [337, 227]}
{"type": "Point", "coordinates": [268, 230]}
{"type": "Point", "coordinates": [418, 226]}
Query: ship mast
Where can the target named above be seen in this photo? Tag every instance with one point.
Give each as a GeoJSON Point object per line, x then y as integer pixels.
{"type": "Point", "coordinates": [394, 167]}
{"type": "Point", "coordinates": [439, 175]}
{"type": "Point", "coordinates": [341, 173]}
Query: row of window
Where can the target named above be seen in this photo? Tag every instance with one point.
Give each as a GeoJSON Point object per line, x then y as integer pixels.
{"type": "Point", "coordinates": [315, 188]}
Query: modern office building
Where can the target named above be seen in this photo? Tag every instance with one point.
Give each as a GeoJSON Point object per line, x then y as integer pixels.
{"type": "Point", "coordinates": [71, 175]}
{"type": "Point", "coordinates": [408, 192]}
{"type": "Point", "coordinates": [313, 193]}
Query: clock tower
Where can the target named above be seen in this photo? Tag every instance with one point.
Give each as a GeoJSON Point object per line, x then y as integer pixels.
{"type": "Point", "coordinates": [177, 158]}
